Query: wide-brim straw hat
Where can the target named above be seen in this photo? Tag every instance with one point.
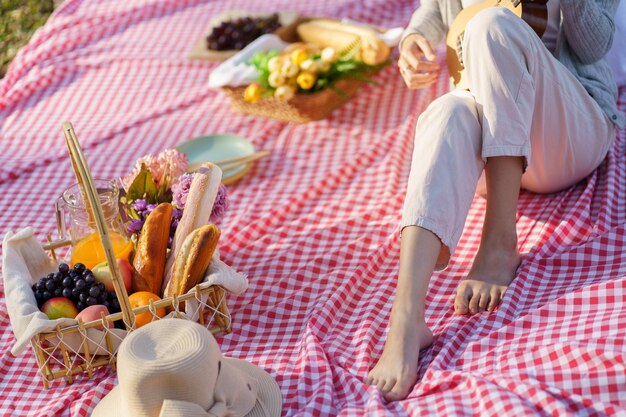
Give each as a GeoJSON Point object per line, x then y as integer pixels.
{"type": "Point", "coordinates": [174, 367]}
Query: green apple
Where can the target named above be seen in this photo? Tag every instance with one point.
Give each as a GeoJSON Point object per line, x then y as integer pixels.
{"type": "Point", "coordinates": [102, 273]}
{"type": "Point", "coordinates": [58, 307]}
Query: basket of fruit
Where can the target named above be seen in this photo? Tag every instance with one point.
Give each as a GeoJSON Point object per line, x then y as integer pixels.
{"type": "Point", "coordinates": [325, 64]}
{"type": "Point", "coordinates": [76, 313]}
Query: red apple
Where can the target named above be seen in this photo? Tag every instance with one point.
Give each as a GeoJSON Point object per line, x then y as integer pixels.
{"type": "Point", "coordinates": [92, 313]}
{"type": "Point", "coordinates": [102, 273]}
{"type": "Point", "coordinates": [58, 307]}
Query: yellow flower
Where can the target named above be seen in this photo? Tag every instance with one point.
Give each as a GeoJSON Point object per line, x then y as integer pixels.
{"type": "Point", "coordinates": [308, 65]}
{"type": "Point", "coordinates": [289, 69]}
{"type": "Point", "coordinates": [306, 80]}
{"type": "Point", "coordinates": [299, 55]}
{"type": "Point", "coordinates": [329, 55]}
{"type": "Point", "coordinates": [252, 93]}
{"type": "Point", "coordinates": [276, 79]}
{"type": "Point", "coordinates": [274, 64]}
{"type": "Point", "coordinates": [284, 92]}
{"type": "Point", "coordinates": [322, 66]}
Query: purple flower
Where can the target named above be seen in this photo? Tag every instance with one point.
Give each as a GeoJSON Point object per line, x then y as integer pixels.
{"type": "Point", "coordinates": [221, 205]}
{"type": "Point", "coordinates": [139, 205]}
{"type": "Point", "coordinates": [135, 226]}
{"type": "Point", "coordinates": [149, 209]}
{"type": "Point", "coordinates": [180, 190]}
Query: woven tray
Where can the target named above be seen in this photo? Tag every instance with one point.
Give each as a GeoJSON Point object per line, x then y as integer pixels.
{"type": "Point", "coordinates": [301, 108]}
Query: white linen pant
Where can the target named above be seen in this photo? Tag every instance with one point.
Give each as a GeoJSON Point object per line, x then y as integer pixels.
{"type": "Point", "coordinates": [523, 102]}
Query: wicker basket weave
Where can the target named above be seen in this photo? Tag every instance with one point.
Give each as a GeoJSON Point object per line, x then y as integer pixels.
{"type": "Point", "coordinates": [85, 347]}
{"type": "Point", "coordinates": [301, 108]}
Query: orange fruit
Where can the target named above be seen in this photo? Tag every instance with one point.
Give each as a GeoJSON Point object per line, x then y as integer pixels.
{"type": "Point", "coordinates": [142, 298]}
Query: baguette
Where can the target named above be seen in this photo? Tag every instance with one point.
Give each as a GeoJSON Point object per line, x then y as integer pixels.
{"type": "Point", "coordinates": [333, 33]}
{"type": "Point", "coordinates": [149, 261]}
{"type": "Point", "coordinates": [193, 259]}
{"type": "Point", "coordinates": [198, 207]}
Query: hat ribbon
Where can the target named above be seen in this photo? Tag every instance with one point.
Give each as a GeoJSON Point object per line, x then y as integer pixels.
{"type": "Point", "coordinates": [177, 408]}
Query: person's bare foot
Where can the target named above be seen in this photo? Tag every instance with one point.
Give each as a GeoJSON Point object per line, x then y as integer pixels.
{"type": "Point", "coordinates": [395, 373]}
{"type": "Point", "coordinates": [491, 273]}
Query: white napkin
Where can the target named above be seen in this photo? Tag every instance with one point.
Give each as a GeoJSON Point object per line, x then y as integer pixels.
{"type": "Point", "coordinates": [24, 261]}
{"type": "Point", "coordinates": [218, 273]}
{"type": "Point", "coordinates": [236, 71]}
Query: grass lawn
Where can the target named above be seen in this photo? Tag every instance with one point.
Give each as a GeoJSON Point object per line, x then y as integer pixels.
{"type": "Point", "coordinates": [18, 21]}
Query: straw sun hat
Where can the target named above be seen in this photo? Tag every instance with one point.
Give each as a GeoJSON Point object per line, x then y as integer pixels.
{"type": "Point", "coordinates": [174, 368]}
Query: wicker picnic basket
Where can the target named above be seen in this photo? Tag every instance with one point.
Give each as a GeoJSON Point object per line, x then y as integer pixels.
{"type": "Point", "coordinates": [85, 347]}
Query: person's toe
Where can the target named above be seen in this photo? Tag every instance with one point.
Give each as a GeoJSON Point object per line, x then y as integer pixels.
{"type": "Point", "coordinates": [474, 301]}
{"type": "Point", "coordinates": [463, 295]}
{"type": "Point", "coordinates": [484, 301]}
{"type": "Point", "coordinates": [388, 386]}
{"type": "Point", "coordinates": [380, 384]}
{"type": "Point", "coordinates": [494, 298]}
{"type": "Point", "coordinates": [398, 392]}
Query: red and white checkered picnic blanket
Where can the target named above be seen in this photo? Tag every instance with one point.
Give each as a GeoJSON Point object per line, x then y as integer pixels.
{"type": "Point", "coordinates": [315, 226]}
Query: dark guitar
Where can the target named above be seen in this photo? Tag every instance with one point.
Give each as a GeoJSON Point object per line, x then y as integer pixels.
{"type": "Point", "coordinates": [533, 12]}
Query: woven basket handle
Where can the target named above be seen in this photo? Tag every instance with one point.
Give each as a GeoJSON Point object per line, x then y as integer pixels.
{"type": "Point", "coordinates": [94, 208]}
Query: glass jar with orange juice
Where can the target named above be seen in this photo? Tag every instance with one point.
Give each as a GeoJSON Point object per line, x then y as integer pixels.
{"type": "Point", "coordinates": [76, 220]}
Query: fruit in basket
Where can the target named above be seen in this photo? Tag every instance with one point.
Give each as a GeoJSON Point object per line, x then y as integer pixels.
{"type": "Point", "coordinates": [140, 299]}
{"type": "Point", "coordinates": [92, 313]}
{"type": "Point", "coordinates": [59, 307]}
{"type": "Point", "coordinates": [238, 33]}
{"type": "Point", "coordinates": [78, 284]}
{"type": "Point", "coordinates": [102, 273]}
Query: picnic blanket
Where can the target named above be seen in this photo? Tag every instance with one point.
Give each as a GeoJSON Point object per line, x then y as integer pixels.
{"type": "Point", "coordinates": [315, 226]}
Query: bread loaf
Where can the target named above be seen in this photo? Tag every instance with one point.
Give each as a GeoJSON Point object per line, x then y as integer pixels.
{"type": "Point", "coordinates": [333, 33]}
{"type": "Point", "coordinates": [149, 261]}
{"type": "Point", "coordinates": [193, 259]}
{"type": "Point", "coordinates": [198, 208]}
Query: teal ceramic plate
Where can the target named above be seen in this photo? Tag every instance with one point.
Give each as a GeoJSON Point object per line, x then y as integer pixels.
{"type": "Point", "coordinates": [213, 148]}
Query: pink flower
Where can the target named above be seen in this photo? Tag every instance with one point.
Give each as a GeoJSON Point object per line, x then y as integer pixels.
{"type": "Point", "coordinates": [170, 161]}
{"type": "Point", "coordinates": [176, 160]}
{"type": "Point", "coordinates": [221, 205]}
{"type": "Point", "coordinates": [180, 190]}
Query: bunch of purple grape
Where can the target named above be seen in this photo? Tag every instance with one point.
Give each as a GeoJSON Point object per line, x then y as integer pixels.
{"type": "Point", "coordinates": [237, 33]}
{"type": "Point", "coordinates": [78, 284]}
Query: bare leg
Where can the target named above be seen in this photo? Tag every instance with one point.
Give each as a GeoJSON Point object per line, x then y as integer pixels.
{"type": "Point", "coordinates": [497, 259]}
{"type": "Point", "coordinates": [395, 373]}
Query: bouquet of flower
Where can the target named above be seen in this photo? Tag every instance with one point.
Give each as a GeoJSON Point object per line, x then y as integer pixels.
{"type": "Point", "coordinates": [158, 179]}
{"type": "Point", "coordinates": [304, 68]}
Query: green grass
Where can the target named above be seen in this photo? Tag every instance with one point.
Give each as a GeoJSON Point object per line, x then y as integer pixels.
{"type": "Point", "coordinates": [18, 21]}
